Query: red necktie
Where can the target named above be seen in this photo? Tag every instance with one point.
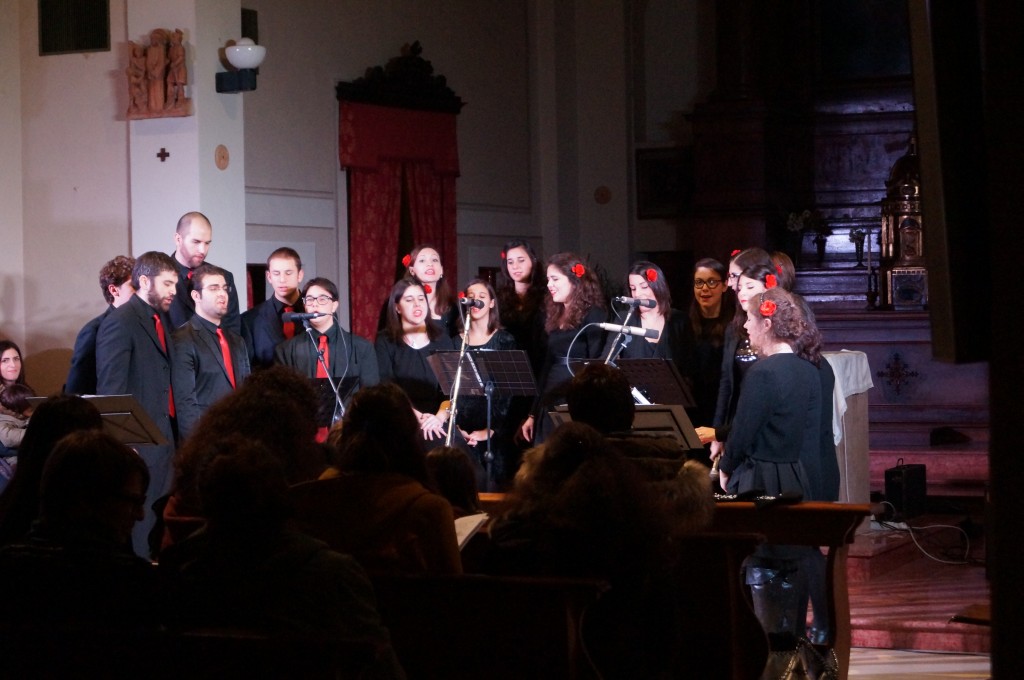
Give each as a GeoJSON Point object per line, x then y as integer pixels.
{"type": "Point", "coordinates": [321, 433]}
{"type": "Point", "coordinates": [320, 372]}
{"type": "Point", "coordinates": [225, 352]}
{"type": "Point", "coordinates": [163, 344]}
{"type": "Point", "coordinates": [289, 326]}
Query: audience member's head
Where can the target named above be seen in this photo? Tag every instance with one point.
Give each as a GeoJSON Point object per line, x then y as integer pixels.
{"type": "Point", "coordinates": [15, 398]}
{"type": "Point", "coordinates": [12, 366]}
{"type": "Point", "coordinates": [276, 407]}
{"type": "Point", "coordinates": [454, 478]}
{"type": "Point", "coordinates": [243, 486]}
{"type": "Point", "coordinates": [116, 280]}
{"type": "Point", "coordinates": [599, 395]}
{"type": "Point", "coordinates": [379, 434]}
{"type": "Point", "coordinates": [51, 420]}
{"type": "Point", "coordinates": [93, 489]}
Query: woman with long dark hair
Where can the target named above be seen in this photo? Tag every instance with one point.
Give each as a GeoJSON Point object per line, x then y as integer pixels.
{"type": "Point", "coordinates": [409, 337]}
{"type": "Point", "coordinates": [423, 265]}
{"type": "Point", "coordinates": [521, 292]}
{"type": "Point", "coordinates": [572, 310]}
{"type": "Point", "coordinates": [711, 311]}
{"type": "Point", "coordinates": [484, 332]}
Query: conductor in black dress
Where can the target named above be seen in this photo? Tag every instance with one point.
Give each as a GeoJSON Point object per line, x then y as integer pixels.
{"type": "Point", "coordinates": [209, 361]}
{"type": "Point", "coordinates": [133, 356]}
{"type": "Point", "coordinates": [192, 240]}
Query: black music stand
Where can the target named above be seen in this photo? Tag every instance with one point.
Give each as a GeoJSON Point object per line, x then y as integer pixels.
{"type": "Point", "coordinates": [485, 372]}
{"type": "Point", "coordinates": [658, 380]}
{"type": "Point", "coordinates": [123, 418]}
{"type": "Point", "coordinates": [654, 420]}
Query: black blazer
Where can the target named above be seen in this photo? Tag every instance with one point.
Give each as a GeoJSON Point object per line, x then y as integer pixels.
{"type": "Point", "coordinates": [353, 358]}
{"type": "Point", "coordinates": [198, 372]}
{"type": "Point", "coordinates": [130, 360]}
{"type": "Point", "coordinates": [262, 330]}
{"type": "Point", "coordinates": [82, 374]}
{"type": "Point", "coordinates": [183, 306]}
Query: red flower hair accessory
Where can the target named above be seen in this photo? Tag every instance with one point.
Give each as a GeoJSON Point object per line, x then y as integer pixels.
{"type": "Point", "coordinates": [406, 260]}
{"type": "Point", "coordinates": [579, 270]}
{"type": "Point", "coordinates": [503, 255]}
{"type": "Point", "coordinates": [462, 296]}
{"type": "Point", "coordinates": [651, 275]}
{"type": "Point", "coordinates": [427, 289]}
{"type": "Point", "coordinates": [735, 252]}
{"type": "Point", "coordinates": [770, 282]}
{"type": "Point", "coordinates": [778, 268]}
{"type": "Point", "coordinates": [767, 307]}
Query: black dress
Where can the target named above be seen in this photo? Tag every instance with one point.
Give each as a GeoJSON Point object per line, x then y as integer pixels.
{"type": "Point", "coordinates": [555, 375]}
{"type": "Point", "coordinates": [408, 368]}
{"type": "Point", "coordinates": [737, 358]}
{"type": "Point", "coordinates": [472, 416]}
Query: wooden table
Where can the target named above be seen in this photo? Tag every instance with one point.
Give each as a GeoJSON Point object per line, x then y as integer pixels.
{"type": "Point", "coordinates": [830, 525]}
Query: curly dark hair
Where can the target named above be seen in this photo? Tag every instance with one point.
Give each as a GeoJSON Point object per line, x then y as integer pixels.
{"type": "Point", "coordinates": [380, 434]}
{"type": "Point", "coordinates": [115, 273]}
{"type": "Point", "coordinates": [276, 407]}
{"type": "Point", "coordinates": [586, 293]}
{"type": "Point", "coordinates": [790, 322]}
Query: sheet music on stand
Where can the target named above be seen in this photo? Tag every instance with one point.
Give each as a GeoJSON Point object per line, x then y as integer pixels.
{"type": "Point", "coordinates": [123, 418]}
{"type": "Point", "coordinates": [507, 369]}
{"type": "Point", "coordinates": [659, 380]}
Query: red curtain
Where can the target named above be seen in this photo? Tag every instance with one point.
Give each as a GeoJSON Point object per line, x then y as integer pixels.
{"type": "Point", "coordinates": [377, 144]}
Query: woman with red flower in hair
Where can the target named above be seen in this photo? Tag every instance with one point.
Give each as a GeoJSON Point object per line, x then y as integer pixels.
{"type": "Point", "coordinates": [574, 307]}
{"type": "Point", "coordinates": [423, 265]}
{"type": "Point", "coordinates": [778, 417]}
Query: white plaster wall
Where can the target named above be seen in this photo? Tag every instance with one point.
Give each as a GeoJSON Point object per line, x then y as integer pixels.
{"type": "Point", "coordinates": [74, 189]}
{"type": "Point", "coordinates": [12, 266]}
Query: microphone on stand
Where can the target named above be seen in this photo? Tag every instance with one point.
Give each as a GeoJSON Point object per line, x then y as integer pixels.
{"type": "Point", "coordinates": [631, 330]}
{"type": "Point", "coordinates": [289, 317]}
{"type": "Point", "coordinates": [649, 304]}
{"type": "Point", "coordinates": [471, 302]}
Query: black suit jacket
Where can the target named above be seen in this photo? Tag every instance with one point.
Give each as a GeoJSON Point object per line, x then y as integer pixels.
{"type": "Point", "coordinates": [198, 372]}
{"type": "Point", "coordinates": [82, 374]}
{"type": "Point", "coordinates": [351, 356]}
{"type": "Point", "coordinates": [263, 332]}
{"type": "Point", "coordinates": [183, 306]}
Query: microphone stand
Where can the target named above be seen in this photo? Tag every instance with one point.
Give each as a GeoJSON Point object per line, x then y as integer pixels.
{"type": "Point", "coordinates": [616, 348]}
{"type": "Point", "coordinates": [339, 407]}
{"type": "Point", "coordinates": [453, 407]}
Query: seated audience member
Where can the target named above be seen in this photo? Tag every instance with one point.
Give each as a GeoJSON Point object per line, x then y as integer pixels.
{"type": "Point", "coordinates": [14, 414]}
{"type": "Point", "coordinates": [375, 503]}
{"type": "Point", "coordinates": [116, 284]}
{"type": "Point", "coordinates": [452, 474]}
{"type": "Point", "coordinates": [580, 509]}
{"type": "Point", "coordinates": [275, 406]}
{"type": "Point", "coordinates": [77, 567]}
{"type": "Point", "coordinates": [12, 366]}
{"type": "Point", "coordinates": [54, 418]}
{"type": "Point", "coordinates": [247, 569]}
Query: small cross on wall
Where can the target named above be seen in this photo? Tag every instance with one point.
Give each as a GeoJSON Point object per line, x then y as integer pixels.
{"type": "Point", "coordinates": [163, 155]}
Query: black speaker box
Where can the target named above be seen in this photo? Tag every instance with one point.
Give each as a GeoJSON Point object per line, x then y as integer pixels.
{"type": "Point", "coordinates": [906, 489]}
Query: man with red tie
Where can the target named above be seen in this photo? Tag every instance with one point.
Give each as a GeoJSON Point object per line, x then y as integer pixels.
{"type": "Point", "coordinates": [262, 325]}
{"type": "Point", "coordinates": [133, 356]}
{"type": "Point", "coordinates": [348, 360]}
{"type": "Point", "coordinates": [209, 361]}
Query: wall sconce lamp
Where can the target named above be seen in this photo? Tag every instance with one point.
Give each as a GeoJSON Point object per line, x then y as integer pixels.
{"type": "Point", "coordinates": [245, 56]}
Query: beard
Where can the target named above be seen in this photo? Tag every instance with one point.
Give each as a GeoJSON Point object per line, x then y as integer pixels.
{"type": "Point", "coordinates": [156, 301]}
